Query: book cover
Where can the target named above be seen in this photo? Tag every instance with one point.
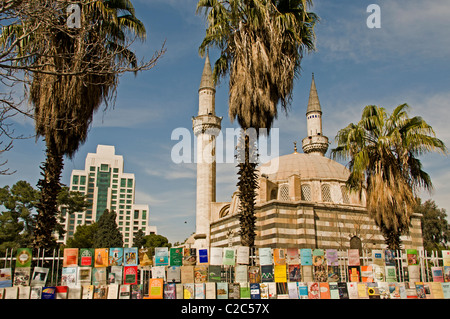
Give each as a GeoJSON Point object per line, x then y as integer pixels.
{"type": "Point", "coordinates": [302, 290]}
{"type": "Point", "coordinates": [279, 256]}
{"type": "Point", "coordinates": [353, 257]}
{"type": "Point", "coordinates": [361, 287]}
{"type": "Point", "coordinates": [87, 291]}
{"type": "Point", "coordinates": [99, 276]}
{"type": "Point", "coordinates": [324, 292]}
{"type": "Point", "coordinates": [241, 273]}
{"type": "Point", "coordinates": [279, 273]}
{"type": "Point", "coordinates": [189, 256]}
{"type": "Point", "coordinates": [11, 292]}
{"type": "Point", "coordinates": [159, 272]}
{"type": "Point", "coordinates": [412, 257]}
{"type": "Point", "coordinates": [307, 273]}
{"type": "Point", "coordinates": [313, 290]}
{"type": "Point", "coordinates": [245, 290]}
{"type": "Point", "coordinates": [383, 290]}
{"type": "Point", "coordinates": [69, 276]}
{"type": "Point", "coordinates": [200, 273]}
{"type": "Point", "coordinates": [222, 290]}
{"type": "Point", "coordinates": [187, 274]}
{"type": "Point", "coordinates": [292, 257]}
{"type": "Point", "coordinates": [353, 273]}
{"type": "Point", "coordinates": [199, 290]}
{"type": "Point", "coordinates": [391, 273]}
{"type": "Point", "coordinates": [393, 291]}
{"type": "Point", "coordinates": [294, 272]}
{"type": "Point", "coordinates": [242, 255]}
{"type": "Point", "coordinates": [373, 290]}
{"type": "Point", "coordinates": [334, 290]}
{"type": "Point", "coordinates": [229, 256]}
{"type": "Point", "coordinates": [420, 290]}
{"type": "Point", "coordinates": [23, 257]}
{"type": "Point", "coordinates": [87, 257]}
{"type": "Point", "coordinates": [389, 257]}
{"type": "Point", "coordinates": [130, 256]}
{"type": "Point", "coordinates": [101, 257]}
{"type": "Point", "coordinates": [214, 273]}
{"type": "Point", "coordinates": [35, 292]}
{"type": "Point", "coordinates": [176, 256]}
{"type": "Point", "coordinates": [70, 257]}
{"type": "Point", "coordinates": [189, 290]}
{"type": "Point", "coordinates": [366, 274]}
{"type": "Point", "coordinates": [203, 256]}
{"type": "Point", "coordinates": [446, 289]}
{"type": "Point", "coordinates": [234, 290]}
{"type": "Point", "coordinates": [113, 291]}
{"type": "Point", "coordinates": [136, 291]}
{"type": "Point", "coordinates": [343, 290]}
{"type": "Point", "coordinates": [145, 257]}
{"type": "Point", "coordinates": [446, 273]}
{"type": "Point", "coordinates": [265, 256]}
{"type": "Point", "coordinates": [282, 290]}
{"type": "Point", "coordinates": [210, 290]}
{"type": "Point", "coordinates": [263, 290]}
{"type": "Point", "coordinates": [414, 273]}
{"type": "Point", "coordinates": [39, 277]}
{"type": "Point", "coordinates": [156, 288]}
{"type": "Point", "coordinates": [24, 292]}
{"type": "Point", "coordinates": [22, 276]}
{"type": "Point", "coordinates": [318, 257]}
{"type": "Point", "coordinates": [254, 274]}
{"type": "Point", "coordinates": [173, 274]}
{"type": "Point", "coordinates": [115, 256]}
{"type": "Point", "coordinates": [179, 290]}
{"type": "Point", "coordinates": [48, 293]}
{"type": "Point", "coordinates": [255, 292]}
{"type": "Point", "coordinates": [115, 275]}
{"type": "Point", "coordinates": [272, 290]}
{"type": "Point", "coordinates": [130, 275]}
{"type": "Point", "coordinates": [84, 275]}
{"type": "Point", "coordinates": [5, 277]}
{"type": "Point", "coordinates": [436, 289]}
{"type": "Point", "coordinates": [331, 256]}
{"type": "Point", "coordinates": [161, 256]}
{"type": "Point", "coordinates": [320, 273]}
{"type": "Point", "coordinates": [216, 256]}
{"type": "Point", "coordinates": [378, 257]}
{"type": "Point", "coordinates": [100, 292]}
{"type": "Point", "coordinates": [437, 274]}
{"type": "Point", "coordinates": [267, 273]}
{"type": "Point", "coordinates": [333, 273]}
{"type": "Point", "coordinates": [352, 288]}
{"type": "Point", "coordinates": [124, 291]}
{"type": "Point", "coordinates": [61, 292]}
{"type": "Point", "coordinates": [292, 290]}
{"type": "Point", "coordinates": [170, 291]}
{"type": "Point", "coordinates": [306, 257]}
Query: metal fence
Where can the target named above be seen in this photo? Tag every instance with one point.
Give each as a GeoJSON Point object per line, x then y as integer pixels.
{"type": "Point", "coordinates": [54, 261]}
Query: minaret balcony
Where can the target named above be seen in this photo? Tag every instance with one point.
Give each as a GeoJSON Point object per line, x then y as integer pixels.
{"type": "Point", "coordinates": [208, 123]}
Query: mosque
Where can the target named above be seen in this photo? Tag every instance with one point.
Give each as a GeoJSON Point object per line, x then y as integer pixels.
{"type": "Point", "coordinates": [302, 200]}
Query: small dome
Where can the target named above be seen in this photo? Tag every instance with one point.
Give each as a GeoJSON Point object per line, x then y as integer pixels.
{"type": "Point", "coordinates": [308, 166]}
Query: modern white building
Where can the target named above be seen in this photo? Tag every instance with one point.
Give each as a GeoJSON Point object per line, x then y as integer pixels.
{"type": "Point", "coordinates": [107, 186]}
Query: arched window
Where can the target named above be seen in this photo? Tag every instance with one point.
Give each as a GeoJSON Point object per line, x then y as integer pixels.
{"type": "Point", "coordinates": [273, 194]}
{"type": "Point", "coordinates": [326, 193]}
{"type": "Point", "coordinates": [284, 193]}
{"type": "Point", "coordinates": [306, 192]}
{"type": "Point", "coordinates": [344, 191]}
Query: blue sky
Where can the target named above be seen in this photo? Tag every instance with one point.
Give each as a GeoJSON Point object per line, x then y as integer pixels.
{"type": "Point", "coordinates": [405, 61]}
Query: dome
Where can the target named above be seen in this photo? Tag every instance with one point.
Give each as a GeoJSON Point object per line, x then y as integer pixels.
{"type": "Point", "coordinates": [308, 166]}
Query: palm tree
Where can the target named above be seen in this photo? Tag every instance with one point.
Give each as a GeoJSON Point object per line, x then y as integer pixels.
{"type": "Point", "coordinates": [383, 152]}
{"type": "Point", "coordinates": [74, 71]}
{"type": "Point", "coordinates": [261, 45]}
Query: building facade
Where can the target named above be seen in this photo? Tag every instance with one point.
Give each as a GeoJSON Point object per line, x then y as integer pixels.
{"type": "Point", "coordinates": [302, 201]}
{"type": "Point", "coordinates": [107, 186]}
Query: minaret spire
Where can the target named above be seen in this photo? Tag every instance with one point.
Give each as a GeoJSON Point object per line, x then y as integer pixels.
{"type": "Point", "coordinates": [315, 142]}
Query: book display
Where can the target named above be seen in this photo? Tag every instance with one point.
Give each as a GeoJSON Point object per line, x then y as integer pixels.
{"type": "Point", "coordinates": [227, 273]}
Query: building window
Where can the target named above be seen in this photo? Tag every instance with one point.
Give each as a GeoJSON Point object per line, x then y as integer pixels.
{"type": "Point", "coordinates": [344, 192]}
{"type": "Point", "coordinates": [306, 192]}
{"type": "Point", "coordinates": [326, 193]}
{"type": "Point", "coordinates": [75, 179]}
{"type": "Point", "coordinates": [284, 192]}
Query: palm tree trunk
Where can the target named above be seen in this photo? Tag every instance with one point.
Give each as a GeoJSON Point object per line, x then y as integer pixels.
{"type": "Point", "coordinates": [47, 208]}
{"type": "Point", "coordinates": [247, 185]}
{"type": "Point", "coordinates": [391, 238]}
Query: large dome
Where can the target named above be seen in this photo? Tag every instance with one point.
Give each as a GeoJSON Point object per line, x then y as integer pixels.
{"type": "Point", "coordinates": [308, 166]}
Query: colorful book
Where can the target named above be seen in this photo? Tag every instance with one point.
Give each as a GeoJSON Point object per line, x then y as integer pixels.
{"type": "Point", "coordinates": [176, 256]}
{"type": "Point", "coordinates": [48, 293]}
{"type": "Point", "coordinates": [87, 257]}
{"type": "Point", "coordinates": [130, 275]}
{"type": "Point", "coordinates": [255, 292]}
{"type": "Point", "coordinates": [306, 257]}
{"type": "Point", "coordinates": [101, 257]}
{"type": "Point", "coordinates": [267, 273]}
{"type": "Point", "coordinates": [69, 276]}
{"type": "Point", "coordinates": [115, 256]}
{"type": "Point", "coordinates": [170, 291]}
{"type": "Point", "coordinates": [156, 288]}
{"type": "Point", "coordinates": [130, 256]}
{"type": "Point", "coordinates": [23, 257]}
{"type": "Point", "coordinates": [203, 256]}
{"type": "Point", "coordinates": [22, 276]}
{"type": "Point", "coordinates": [188, 291]}
{"type": "Point", "coordinates": [39, 277]}
{"type": "Point", "coordinates": [161, 256]}
{"type": "Point", "coordinates": [221, 290]}
{"type": "Point", "coordinates": [145, 257]}
{"type": "Point", "coordinates": [5, 277]}
{"type": "Point", "coordinates": [189, 256]}
{"type": "Point", "coordinates": [70, 258]}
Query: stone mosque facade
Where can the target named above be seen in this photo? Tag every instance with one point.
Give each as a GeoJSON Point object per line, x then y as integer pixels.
{"type": "Point", "coordinates": [302, 200]}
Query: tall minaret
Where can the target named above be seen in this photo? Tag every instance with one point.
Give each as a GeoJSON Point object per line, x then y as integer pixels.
{"type": "Point", "coordinates": [315, 142]}
{"type": "Point", "coordinates": [206, 127]}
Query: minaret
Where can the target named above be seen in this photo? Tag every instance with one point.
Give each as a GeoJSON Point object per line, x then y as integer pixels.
{"type": "Point", "coordinates": [315, 143]}
{"type": "Point", "coordinates": [206, 127]}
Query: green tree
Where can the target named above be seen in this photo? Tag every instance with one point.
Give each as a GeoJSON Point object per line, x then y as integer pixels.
{"type": "Point", "coordinates": [261, 45]}
{"type": "Point", "coordinates": [83, 236]}
{"type": "Point", "coordinates": [73, 71]}
{"type": "Point", "coordinates": [383, 151]}
{"type": "Point", "coordinates": [16, 220]}
{"type": "Point", "coordinates": [139, 240]}
{"type": "Point", "coordinates": [153, 240]}
{"type": "Point", "coordinates": [435, 227]}
{"type": "Point", "coordinates": [108, 233]}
